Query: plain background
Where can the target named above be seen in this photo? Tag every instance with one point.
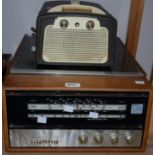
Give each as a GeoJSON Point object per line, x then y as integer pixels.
{"type": "Point", "coordinates": [20, 15]}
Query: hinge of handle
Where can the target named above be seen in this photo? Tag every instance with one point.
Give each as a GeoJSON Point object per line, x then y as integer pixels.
{"type": "Point", "coordinates": [75, 2]}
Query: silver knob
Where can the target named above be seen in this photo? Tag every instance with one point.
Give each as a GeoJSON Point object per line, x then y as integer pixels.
{"type": "Point", "coordinates": [64, 23]}
{"type": "Point", "coordinates": [83, 139]}
{"type": "Point", "coordinates": [129, 138]}
{"type": "Point", "coordinates": [114, 138]}
{"type": "Point", "coordinates": [90, 25]}
{"type": "Point", "coordinates": [98, 139]}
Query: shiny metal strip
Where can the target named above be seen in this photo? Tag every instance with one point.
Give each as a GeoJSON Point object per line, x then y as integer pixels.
{"type": "Point", "coordinates": [70, 138]}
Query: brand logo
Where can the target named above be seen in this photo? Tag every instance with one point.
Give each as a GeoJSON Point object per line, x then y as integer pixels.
{"type": "Point", "coordinates": [39, 141]}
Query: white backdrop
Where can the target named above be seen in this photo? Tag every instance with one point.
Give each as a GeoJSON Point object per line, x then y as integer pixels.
{"type": "Point", "coordinates": [145, 47]}
{"type": "Point", "coordinates": [20, 15]}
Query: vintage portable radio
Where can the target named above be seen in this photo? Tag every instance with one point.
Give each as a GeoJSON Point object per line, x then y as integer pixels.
{"type": "Point", "coordinates": [75, 35]}
{"type": "Point", "coordinates": [60, 110]}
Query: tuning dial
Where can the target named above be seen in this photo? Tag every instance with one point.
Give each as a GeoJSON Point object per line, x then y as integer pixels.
{"type": "Point", "coordinates": [83, 139]}
{"type": "Point", "coordinates": [98, 139]}
{"type": "Point", "coordinates": [64, 23]}
{"type": "Point", "coordinates": [114, 138]}
{"type": "Point", "coordinates": [129, 139]}
{"type": "Point", "coordinates": [90, 25]}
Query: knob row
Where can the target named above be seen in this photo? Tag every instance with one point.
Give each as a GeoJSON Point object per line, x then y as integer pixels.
{"type": "Point", "coordinates": [114, 138]}
{"type": "Point", "coordinates": [65, 23]}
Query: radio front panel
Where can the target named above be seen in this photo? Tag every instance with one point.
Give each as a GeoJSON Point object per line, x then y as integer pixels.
{"type": "Point", "coordinates": [75, 138]}
{"type": "Point", "coordinates": [76, 43]}
{"type": "Point", "coordinates": [75, 38]}
{"type": "Point", "coordinates": [88, 119]}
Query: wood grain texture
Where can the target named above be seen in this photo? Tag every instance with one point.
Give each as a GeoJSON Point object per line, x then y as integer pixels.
{"type": "Point", "coordinates": [136, 13]}
{"type": "Point", "coordinates": [148, 119]}
{"type": "Point", "coordinates": [88, 83]}
{"type": "Point", "coordinates": [55, 82]}
{"type": "Point", "coordinates": [4, 119]}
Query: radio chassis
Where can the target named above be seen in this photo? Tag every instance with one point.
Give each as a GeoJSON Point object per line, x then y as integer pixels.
{"type": "Point", "coordinates": [90, 82]}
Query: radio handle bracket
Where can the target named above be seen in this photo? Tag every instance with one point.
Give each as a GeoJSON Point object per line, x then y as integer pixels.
{"type": "Point", "coordinates": [75, 2]}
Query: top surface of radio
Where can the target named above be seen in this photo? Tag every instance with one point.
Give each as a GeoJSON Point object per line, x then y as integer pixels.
{"type": "Point", "coordinates": [24, 62]}
{"type": "Point", "coordinates": [75, 35]}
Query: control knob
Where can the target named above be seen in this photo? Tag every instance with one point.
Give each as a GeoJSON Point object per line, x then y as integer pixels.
{"type": "Point", "coordinates": [114, 138]}
{"type": "Point", "coordinates": [129, 138]}
{"type": "Point", "coordinates": [83, 139]}
{"type": "Point", "coordinates": [98, 139]}
{"type": "Point", "coordinates": [90, 25]}
{"type": "Point", "coordinates": [64, 23]}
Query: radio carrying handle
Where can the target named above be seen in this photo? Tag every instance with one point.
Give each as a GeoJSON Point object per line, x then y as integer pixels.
{"type": "Point", "coordinates": [76, 7]}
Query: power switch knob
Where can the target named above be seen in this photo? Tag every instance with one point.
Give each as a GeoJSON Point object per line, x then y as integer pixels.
{"type": "Point", "coordinates": [83, 139]}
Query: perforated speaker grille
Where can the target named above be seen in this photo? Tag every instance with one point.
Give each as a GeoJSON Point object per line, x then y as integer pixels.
{"type": "Point", "coordinates": [75, 46]}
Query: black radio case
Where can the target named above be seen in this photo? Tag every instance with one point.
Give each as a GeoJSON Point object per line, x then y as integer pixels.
{"type": "Point", "coordinates": [46, 18]}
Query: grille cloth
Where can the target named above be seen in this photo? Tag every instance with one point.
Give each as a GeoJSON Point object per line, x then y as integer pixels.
{"type": "Point", "coordinates": [75, 46]}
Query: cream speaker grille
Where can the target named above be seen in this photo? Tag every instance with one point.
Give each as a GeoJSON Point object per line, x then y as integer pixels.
{"type": "Point", "coordinates": [75, 36]}
{"type": "Point", "coordinates": [75, 45]}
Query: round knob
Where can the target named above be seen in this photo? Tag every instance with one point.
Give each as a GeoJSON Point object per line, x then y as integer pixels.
{"type": "Point", "coordinates": [98, 139]}
{"type": "Point", "coordinates": [83, 139]}
{"type": "Point", "coordinates": [64, 23]}
{"type": "Point", "coordinates": [129, 139]}
{"type": "Point", "coordinates": [90, 25]}
{"type": "Point", "coordinates": [114, 138]}
{"type": "Point", "coordinates": [56, 142]}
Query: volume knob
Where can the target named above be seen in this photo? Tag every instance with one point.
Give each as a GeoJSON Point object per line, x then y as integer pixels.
{"type": "Point", "coordinates": [129, 138]}
{"type": "Point", "coordinates": [83, 139]}
{"type": "Point", "coordinates": [90, 25]}
{"type": "Point", "coordinates": [64, 23]}
{"type": "Point", "coordinates": [98, 139]}
{"type": "Point", "coordinates": [114, 138]}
